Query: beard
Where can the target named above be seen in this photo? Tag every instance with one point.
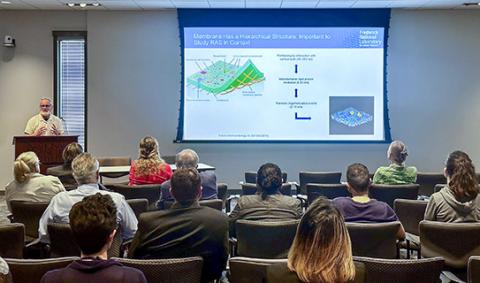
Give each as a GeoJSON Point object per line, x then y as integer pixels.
{"type": "Point", "coordinates": [45, 114]}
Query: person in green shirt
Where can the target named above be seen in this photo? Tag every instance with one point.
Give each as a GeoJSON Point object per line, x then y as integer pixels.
{"type": "Point", "coordinates": [397, 173]}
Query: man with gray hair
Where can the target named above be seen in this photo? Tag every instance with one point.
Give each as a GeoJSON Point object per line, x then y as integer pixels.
{"type": "Point", "coordinates": [85, 171]}
{"type": "Point", "coordinates": [187, 159]}
{"type": "Point", "coordinates": [44, 123]}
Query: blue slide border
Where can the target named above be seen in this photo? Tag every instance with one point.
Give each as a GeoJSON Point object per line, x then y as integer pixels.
{"type": "Point", "coordinates": [284, 18]}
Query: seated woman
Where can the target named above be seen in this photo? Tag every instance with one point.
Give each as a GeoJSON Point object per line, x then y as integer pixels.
{"type": "Point", "coordinates": [64, 172]}
{"type": "Point", "coordinates": [397, 173]}
{"type": "Point", "coordinates": [459, 201]}
{"type": "Point", "coordinates": [29, 184]}
{"type": "Point", "coordinates": [321, 251]}
{"type": "Point", "coordinates": [149, 168]}
{"type": "Point", "coordinates": [268, 204]}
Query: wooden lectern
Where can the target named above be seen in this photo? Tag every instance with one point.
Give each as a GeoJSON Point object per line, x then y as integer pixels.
{"type": "Point", "coordinates": [49, 149]}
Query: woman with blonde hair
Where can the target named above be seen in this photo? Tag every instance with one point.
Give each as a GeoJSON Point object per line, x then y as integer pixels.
{"type": "Point", "coordinates": [149, 168]}
{"type": "Point", "coordinates": [321, 251]}
{"type": "Point", "coordinates": [64, 172]}
{"type": "Point", "coordinates": [29, 184]}
{"type": "Point", "coordinates": [397, 172]}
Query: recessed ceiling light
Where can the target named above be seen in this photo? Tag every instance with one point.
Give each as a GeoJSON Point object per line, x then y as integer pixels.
{"type": "Point", "coordinates": [84, 5]}
{"type": "Point", "coordinates": [5, 2]}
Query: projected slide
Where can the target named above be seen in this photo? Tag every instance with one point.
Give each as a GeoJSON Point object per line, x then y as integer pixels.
{"type": "Point", "coordinates": [283, 84]}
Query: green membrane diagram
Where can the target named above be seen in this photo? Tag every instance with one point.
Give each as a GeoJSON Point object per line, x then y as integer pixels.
{"type": "Point", "coordinates": [221, 77]}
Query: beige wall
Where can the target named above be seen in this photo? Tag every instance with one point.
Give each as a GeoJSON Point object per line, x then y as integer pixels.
{"type": "Point", "coordinates": [134, 89]}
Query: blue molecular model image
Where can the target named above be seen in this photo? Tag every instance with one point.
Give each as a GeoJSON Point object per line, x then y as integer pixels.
{"type": "Point", "coordinates": [352, 117]}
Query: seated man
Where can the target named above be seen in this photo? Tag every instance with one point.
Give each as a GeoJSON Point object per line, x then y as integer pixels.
{"type": "Point", "coordinates": [85, 171]}
{"type": "Point", "coordinates": [94, 224]}
{"type": "Point", "coordinates": [188, 158]}
{"type": "Point", "coordinates": [185, 230]}
{"type": "Point", "coordinates": [359, 207]}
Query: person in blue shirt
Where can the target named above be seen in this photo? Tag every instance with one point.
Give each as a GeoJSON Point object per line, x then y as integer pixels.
{"type": "Point", "coordinates": [85, 171]}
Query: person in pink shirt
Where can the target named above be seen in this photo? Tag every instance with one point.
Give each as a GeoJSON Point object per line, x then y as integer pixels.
{"type": "Point", "coordinates": [149, 168]}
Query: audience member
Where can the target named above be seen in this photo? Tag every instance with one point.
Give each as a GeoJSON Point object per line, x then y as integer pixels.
{"type": "Point", "coordinates": [28, 183]}
{"type": "Point", "coordinates": [85, 171]}
{"type": "Point", "coordinates": [321, 251]}
{"type": "Point", "coordinates": [268, 204]}
{"type": "Point", "coordinates": [149, 168]}
{"type": "Point", "coordinates": [397, 173]}
{"type": "Point", "coordinates": [64, 172]}
{"type": "Point", "coordinates": [360, 207]}
{"type": "Point", "coordinates": [187, 229]}
{"type": "Point", "coordinates": [45, 123]}
{"type": "Point", "coordinates": [188, 158]}
{"type": "Point", "coordinates": [459, 201]}
{"type": "Point", "coordinates": [4, 272]}
{"type": "Point", "coordinates": [94, 223]}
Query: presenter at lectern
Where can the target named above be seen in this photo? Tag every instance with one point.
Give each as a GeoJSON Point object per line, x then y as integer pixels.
{"type": "Point", "coordinates": [45, 123]}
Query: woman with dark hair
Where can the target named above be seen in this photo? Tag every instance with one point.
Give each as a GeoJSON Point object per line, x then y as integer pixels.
{"type": "Point", "coordinates": [321, 251]}
{"type": "Point", "coordinates": [64, 172]}
{"type": "Point", "coordinates": [149, 168]}
{"type": "Point", "coordinates": [268, 204]}
{"type": "Point", "coordinates": [397, 173]}
{"type": "Point", "coordinates": [459, 200]}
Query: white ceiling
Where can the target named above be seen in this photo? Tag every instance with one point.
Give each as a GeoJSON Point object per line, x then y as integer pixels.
{"type": "Point", "coordinates": [139, 5]}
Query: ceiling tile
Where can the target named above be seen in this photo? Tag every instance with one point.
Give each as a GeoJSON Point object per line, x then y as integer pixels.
{"type": "Point", "coordinates": [299, 3]}
{"type": "Point", "coordinates": [157, 4]}
{"type": "Point", "coordinates": [334, 4]}
{"type": "Point", "coordinates": [263, 3]}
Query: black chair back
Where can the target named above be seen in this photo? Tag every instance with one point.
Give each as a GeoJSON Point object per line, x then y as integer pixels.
{"type": "Point", "coordinates": [378, 240]}
{"type": "Point", "coordinates": [29, 214]}
{"type": "Point", "coordinates": [62, 243]}
{"type": "Point", "coordinates": [222, 194]}
{"type": "Point", "coordinates": [389, 193]}
{"type": "Point", "coordinates": [12, 240]}
{"type": "Point", "coordinates": [138, 206]}
{"type": "Point", "coordinates": [427, 182]}
{"type": "Point", "coordinates": [250, 270]}
{"type": "Point", "coordinates": [329, 191]}
{"type": "Point", "coordinates": [264, 239]}
{"type": "Point", "coordinates": [410, 213]}
{"type": "Point", "coordinates": [32, 270]}
{"type": "Point", "coordinates": [401, 270]}
{"type": "Point", "coordinates": [212, 203]}
{"type": "Point", "coordinates": [178, 270]}
{"type": "Point", "coordinates": [114, 161]}
{"type": "Point", "coordinates": [149, 192]}
{"type": "Point", "coordinates": [455, 242]}
{"type": "Point", "coordinates": [318, 178]}
{"type": "Point", "coordinates": [474, 269]}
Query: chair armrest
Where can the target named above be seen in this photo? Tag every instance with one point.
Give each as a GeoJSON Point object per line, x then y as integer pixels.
{"type": "Point", "coordinates": [229, 202]}
{"type": "Point", "coordinates": [10, 217]}
{"type": "Point", "coordinates": [232, 244]}
{"type": "Point", "coordinates": [303, 199]}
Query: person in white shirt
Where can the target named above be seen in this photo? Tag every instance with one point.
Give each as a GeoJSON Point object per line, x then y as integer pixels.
{"type": "Point", "coordinates": [85, 171]}
{"type": "Point", "coordinates": [44, 123]}
{"type": "Point", "coordinates": [29, 184]}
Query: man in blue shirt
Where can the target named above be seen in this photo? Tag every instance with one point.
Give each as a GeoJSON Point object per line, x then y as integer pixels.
{"type": "Point", "coordinates": [85, 171]}
{"type": "Point", "coordinates": [188, 158]}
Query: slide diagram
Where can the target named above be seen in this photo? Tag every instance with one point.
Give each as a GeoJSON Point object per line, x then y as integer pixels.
{"type": "Point", "coordinates": [221, 77]}
{"type": "Point", "coordinates": [351, 115]}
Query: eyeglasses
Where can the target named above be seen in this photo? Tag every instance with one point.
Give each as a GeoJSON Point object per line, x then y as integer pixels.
{"type": "Point", "coordinates": [45, 105]}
